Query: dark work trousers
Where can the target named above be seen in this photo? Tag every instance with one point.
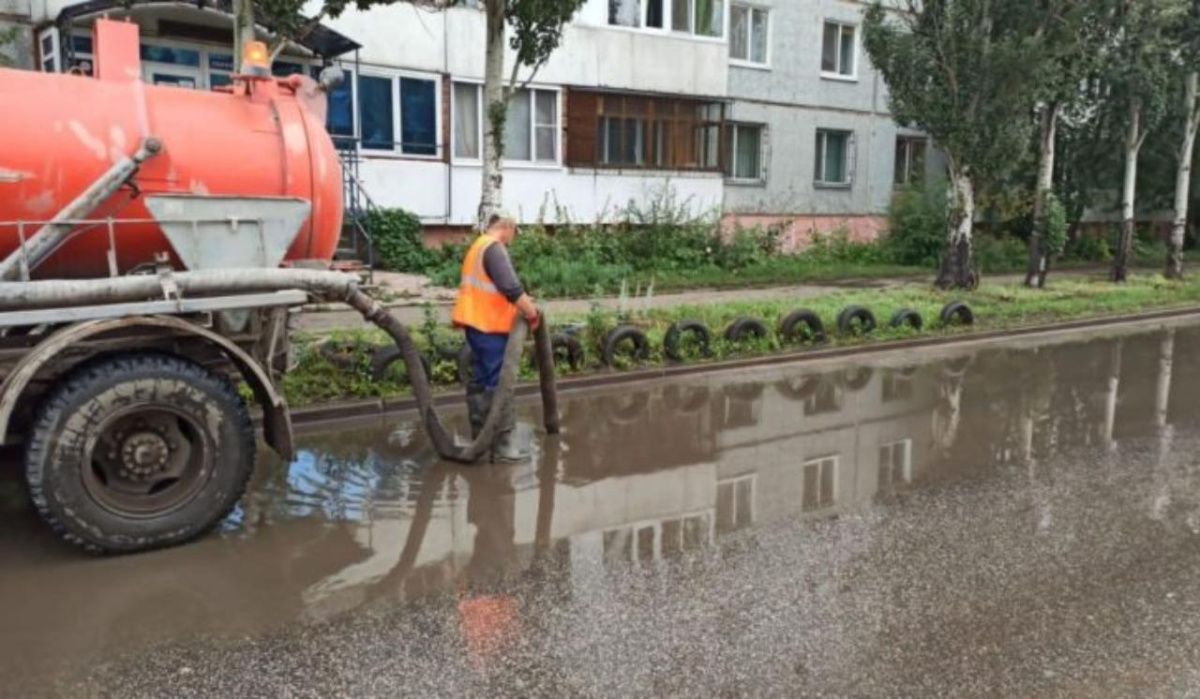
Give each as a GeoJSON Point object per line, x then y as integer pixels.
{"type": "Point", "coordinates": [487, 352]}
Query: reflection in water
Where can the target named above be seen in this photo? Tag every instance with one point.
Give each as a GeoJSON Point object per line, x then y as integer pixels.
{"type": "Point", "coordinates": [641, 476]}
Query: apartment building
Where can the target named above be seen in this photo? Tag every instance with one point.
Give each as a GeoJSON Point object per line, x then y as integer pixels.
{"type": "Point", "coordinates": [765, 112]}
{"type": "Point", "coordinates": [812, 144]}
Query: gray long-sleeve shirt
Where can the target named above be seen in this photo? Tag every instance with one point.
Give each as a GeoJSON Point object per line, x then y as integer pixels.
{"type": "Point", "coordinates": [498, 266]}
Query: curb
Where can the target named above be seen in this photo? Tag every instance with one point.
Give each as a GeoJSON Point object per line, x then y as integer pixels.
{"type": "Point", "coordinates": [309, 416]}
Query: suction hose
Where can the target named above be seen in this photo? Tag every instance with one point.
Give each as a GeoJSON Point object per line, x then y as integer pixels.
{"type": "Point", "coordinates": [442, 440]}
{"type": "Point", "coordinates": [330, 286]}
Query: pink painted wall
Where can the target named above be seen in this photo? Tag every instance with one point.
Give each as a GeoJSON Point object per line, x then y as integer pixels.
{"type": "Point", "coordinates": [798, 231]}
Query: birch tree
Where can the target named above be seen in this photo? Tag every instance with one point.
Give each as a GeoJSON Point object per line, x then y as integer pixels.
{"type": "Point", "coordinates": [1138, 74]}
{"type": "Point", "coordinates": [1189, 58]}
{"type": "Point", "coordinates": [958, 69]}
{"type": "Point", "coordinates": [1071, 36]}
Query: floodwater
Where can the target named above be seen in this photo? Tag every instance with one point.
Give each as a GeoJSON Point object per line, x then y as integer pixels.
{"type": "Point", "coordinates": [1015, 519]}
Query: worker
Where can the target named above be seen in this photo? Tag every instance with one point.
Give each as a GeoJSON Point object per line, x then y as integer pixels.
{"type": "Point", "coordinates": [490, 297]}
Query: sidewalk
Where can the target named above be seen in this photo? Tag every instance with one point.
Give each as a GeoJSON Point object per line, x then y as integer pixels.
{"type": "Point", "coordinates": [416, 292]}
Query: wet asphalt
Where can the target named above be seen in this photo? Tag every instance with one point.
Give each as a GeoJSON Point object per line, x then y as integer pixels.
{"type": "Point", "coordinates": [1018, 520]}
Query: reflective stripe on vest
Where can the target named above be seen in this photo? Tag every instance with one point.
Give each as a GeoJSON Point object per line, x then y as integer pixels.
{"type": "Point", "coordinates": [480, 304]}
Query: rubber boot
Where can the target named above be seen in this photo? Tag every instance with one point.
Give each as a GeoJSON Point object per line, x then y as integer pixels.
{"type": "Point", "coordinates": [507, 448]}
{"type": "Point", "coordinates": [479, 402]}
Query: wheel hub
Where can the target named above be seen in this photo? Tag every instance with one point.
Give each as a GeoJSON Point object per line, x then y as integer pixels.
{"type": "Point", "coordinates": [144, 454]}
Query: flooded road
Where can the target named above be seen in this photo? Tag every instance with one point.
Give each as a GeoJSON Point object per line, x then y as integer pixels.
{"type": "Point", "coordinates": [1021, 519]}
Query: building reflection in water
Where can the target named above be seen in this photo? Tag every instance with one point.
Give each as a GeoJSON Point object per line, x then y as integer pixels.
{"type": "Point", "coordinates": [661, 472]}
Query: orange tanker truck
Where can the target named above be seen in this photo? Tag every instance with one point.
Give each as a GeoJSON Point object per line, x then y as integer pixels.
{"type": "Point", "coordinates": [153, 241]}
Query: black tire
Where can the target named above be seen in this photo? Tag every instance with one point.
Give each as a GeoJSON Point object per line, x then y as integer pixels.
{"type": "Point", "coordinates": [742, 329]}
{"type": "Point", "coordinates": [343, 354]}
{"type": "Point", "coordinates": [857, 378]}
{"type": "Point", "coordinates": [699, 332]}
{"type": "Point", "coordinates": [623, 334]}
{"type": "Point", "coordinates": [385, 357]}
{"type": "Point", "coordinates": [141, 406]}
{"type": "Point", "coordinates": [852, 315]}
{"type": "Point", "coordinates": [802, 327]}
{"type": "Point", "coordinates": [957, 312]}
{"type": "Point", "coordinates": [907, 316]}
{"type": "Point", "coordinates": [567, 348]}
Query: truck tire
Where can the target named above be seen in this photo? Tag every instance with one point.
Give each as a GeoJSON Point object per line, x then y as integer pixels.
{"type": "Point", "coordinates": [855, 320]}
{"type": "Point", "coordinates": [136, 452]}
{"type": "Point", "coordinates": [699, 332]}
{"type": "Point", "coordinates": [802, 326]}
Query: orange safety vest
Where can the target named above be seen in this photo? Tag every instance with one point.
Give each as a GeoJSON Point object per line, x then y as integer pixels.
{"type": "Point", "coordinates": [480, 304]}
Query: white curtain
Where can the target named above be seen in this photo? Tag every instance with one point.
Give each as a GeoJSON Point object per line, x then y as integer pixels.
{"type": "Point", "coordinates": [466, 120]}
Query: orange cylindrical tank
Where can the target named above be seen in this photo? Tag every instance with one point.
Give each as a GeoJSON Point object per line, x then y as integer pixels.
{"type": "Point", "coordinates": [60, 132]}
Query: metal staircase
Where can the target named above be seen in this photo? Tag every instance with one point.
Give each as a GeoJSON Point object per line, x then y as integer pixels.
{"type": "Point", "coordinates": [356, 249]}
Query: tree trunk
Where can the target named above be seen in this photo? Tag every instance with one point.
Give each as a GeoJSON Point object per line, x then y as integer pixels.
{"type": "Point", "coordinates": [1110, 396]}
{"type": "Point", "coordinates": [243, 23]}
{"type": "Point", "coordinates": [1133, 143]}
{"type": "Point", "coordinates": [1039, 256]}
{"type": "Point", "coordinates": [495, 112]}
{"type": "Point", "coordinates": [958, 265]}
{"type": "Point", "coordinates": [1183, 178]}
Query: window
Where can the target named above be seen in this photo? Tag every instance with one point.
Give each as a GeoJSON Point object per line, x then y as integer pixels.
{"type": "Point", "coordinates": [375, 113]}
{"type": "Point", "coordinates": [630, 131]}
{"type": "Point", "coordinates": [896, 387]}
{"type": "Point", "coordinates": [624, 13]}
{"type": "Point", "coordinates": [748, 34]}
{"type": "Point", "coordinates": [825, 399]}
{"type": "Point", "coordinates": [895, 463]}
{"type": "Point", "coordinates": [414, 115]}
{"type": "Point", "coordinates": [81, 60]}
{"type": "Point", "coordinates": [910, 161]}
{"type": "Point", "coordinates": [653, 541]}
{"type": "Point", "coordinates": [820, 476]}
{"type": "Point", "coordinates": [530, 127]}
{"type": "Point", "coordinates": [833, 158]}
{"type": "Point", "coordinates": [418, 116]}
{"type": "Point", "coordinates": [735, 504]}
{"type": "Point", "coordinates": [170, 55]}
{"type": "Point", "coordinates": [837, 50]}
{"type": "Point", "coordinates": [48, 43]}
{"type": "Point", "coordinates": [745, 142]}
{"type": "Point", "coordinates": [466, 121]}
{"type": "Point", "coordinates": [339, 119]}
{"type": "Point", "coordinates": [701, 17]}
{"type": "Point", "coordinates": [654, 14]}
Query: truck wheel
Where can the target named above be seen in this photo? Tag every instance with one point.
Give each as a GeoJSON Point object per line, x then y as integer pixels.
{"type": "Point", "coordinates": [138, 452]}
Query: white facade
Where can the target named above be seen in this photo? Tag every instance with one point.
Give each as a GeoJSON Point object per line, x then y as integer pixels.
{"type": "Point", "coordinates": [768, 121]}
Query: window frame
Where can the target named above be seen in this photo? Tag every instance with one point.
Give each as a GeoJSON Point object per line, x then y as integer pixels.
{"type": "Point", "coordinates": [533, 162]}
{"type": "Point", "coordinates": [908, 140]}
{"type": "Point", "coordinates": [748, 61]}
{"type": "Point", "coordinates": [54, 55]}
{"type": "Point", "coordinates": [668, 14]}
{"type": "Point", "coordinates": [835, 461]}
{"type": "Point", "coordinates": [397, 149]}
{"type": "Point", "coordinates": [852, 76]}
{"type": "Point", "coordinates": [821, 151]}
{"type": "Point", "coordinates": [734, 483]}
{"type": "Point", "coordinates": [906, 468]}
{"type": "Point", "coordinates": [731, 176]}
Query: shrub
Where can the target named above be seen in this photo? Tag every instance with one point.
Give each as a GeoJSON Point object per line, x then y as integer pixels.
{"type": "Point", "coordinates": [1055, 235]}
{"type": "Point", "coordinates": [1088, 249]}
{"type": "Point", "coordinates": [396, 234]}
{"type": "Point", "coordinates": [1000, 253]}
{"type": "Point", "coordinates": [917, 221]}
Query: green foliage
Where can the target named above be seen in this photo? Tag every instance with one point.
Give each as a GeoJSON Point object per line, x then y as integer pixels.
{"type": "Point", "coordinates": [7, 36]}
{"type": "Point", "coordinates": [396, 234]}
{"type": "Point", "coordinates": [917, 225]}
{"type": "Point", "coordinates": [1000, 253]}
{"type": "Point", "coordinates": [1054, 237]}
{"type": "Point", "coordinates": [317, 379]}
{"type": "Point", "coordinates": [1088, 248]}
{"type": "Point", "coordinates": [959, 70]}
